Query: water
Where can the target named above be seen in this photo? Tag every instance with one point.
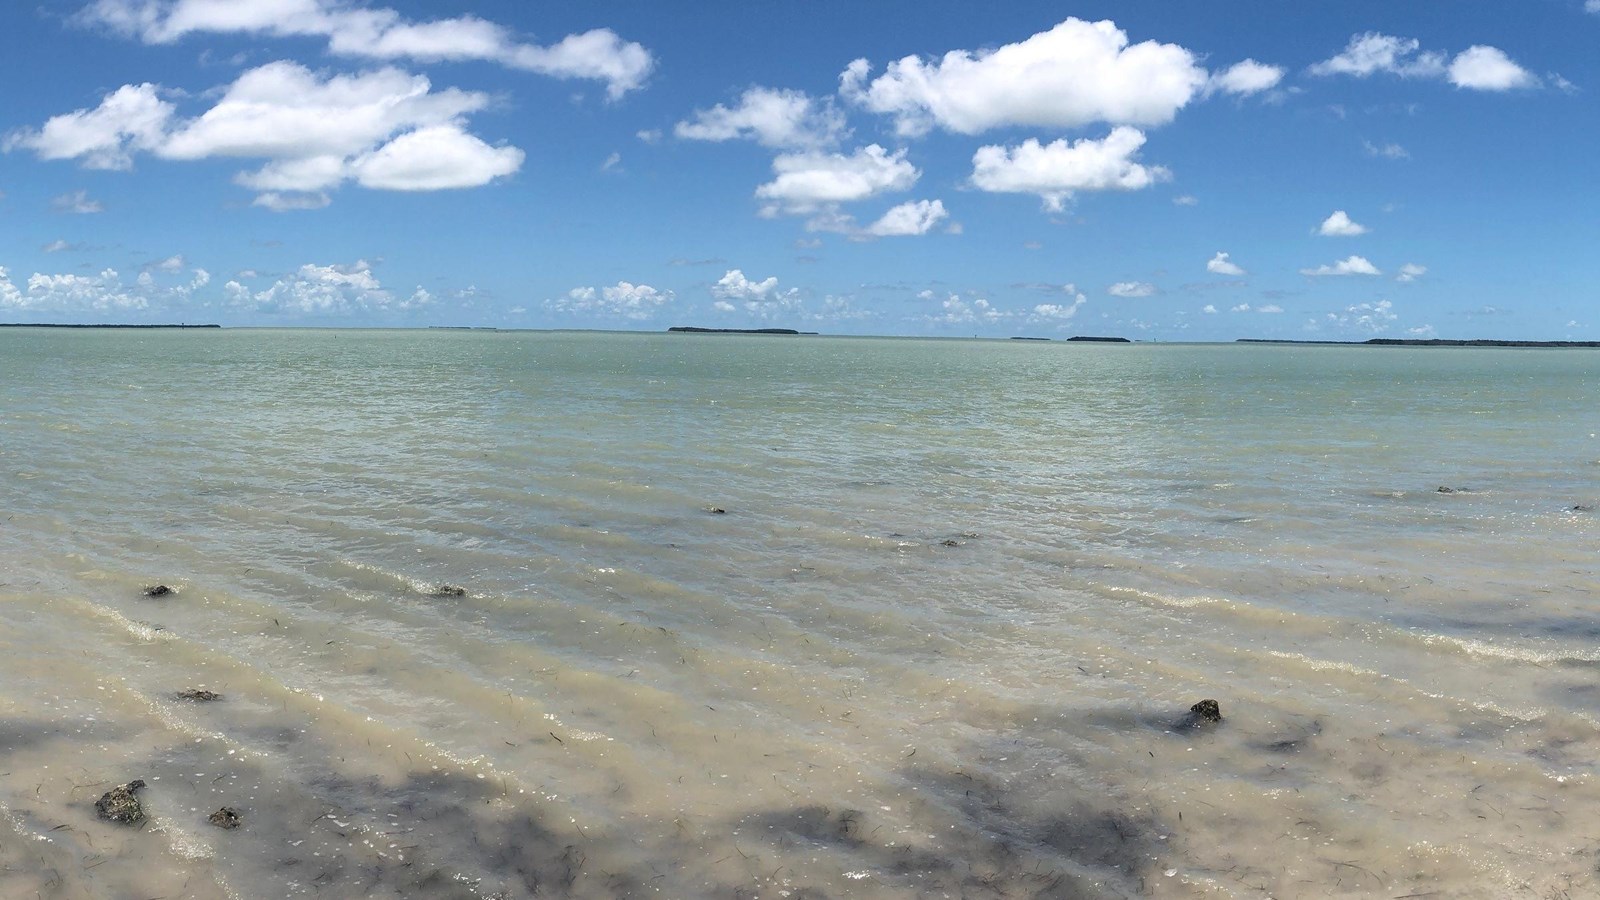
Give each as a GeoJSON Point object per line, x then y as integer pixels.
{"type": "Point", "coordinates": [940, 642]}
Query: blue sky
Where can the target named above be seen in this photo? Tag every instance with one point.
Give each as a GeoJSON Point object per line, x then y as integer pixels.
{"type": "Point", "coordinates": [1155, 170]}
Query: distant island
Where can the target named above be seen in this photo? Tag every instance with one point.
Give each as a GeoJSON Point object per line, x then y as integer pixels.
{"type": "Point", "coordinates": [1032, 339]}
{"type": "Point", "coordinates": [1427, 342]}
{"type": "Point", "coordinates": [690, 329]}
{"type": "Point", "coordinates": [61, 325]}
{"type": "Point", "coordinates": [1100, 340]}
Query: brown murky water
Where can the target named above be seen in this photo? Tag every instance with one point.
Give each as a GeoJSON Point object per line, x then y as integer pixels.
{"type": "Point", "coordinates": [940, 641]}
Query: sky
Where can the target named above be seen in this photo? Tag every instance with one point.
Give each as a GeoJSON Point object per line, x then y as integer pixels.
{"type": "Point", "coordinates": [1160, 171]}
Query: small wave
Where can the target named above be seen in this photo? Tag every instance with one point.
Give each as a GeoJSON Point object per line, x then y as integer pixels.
{"type": "Point", "coordinates": [1510, 654]}
{"type": "Point", "coordinates": [1177, 602]}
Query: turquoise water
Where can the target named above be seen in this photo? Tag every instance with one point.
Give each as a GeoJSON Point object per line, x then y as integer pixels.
{"type": "Point", "coordinates": [939, 641]}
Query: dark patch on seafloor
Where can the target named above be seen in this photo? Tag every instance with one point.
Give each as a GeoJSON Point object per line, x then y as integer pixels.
{"type": "Point", "coordinates": [120, 804]}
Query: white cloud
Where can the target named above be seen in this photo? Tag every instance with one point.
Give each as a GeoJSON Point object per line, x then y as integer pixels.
{"type": "Point", "coordinates": [1411, 272]}
{"type": "Point", "coordinates": [1243, 307]}
{"type": "Point", "coordinates": [56, 246]}
{"type": "Point", "coordinates": [381, 33]}
{"type": "Point", "coordinates": [436, 158]}
{"type": "Point", "coordinates": [957, 311]}
{"type": "Point", "coordinates": [811, 182]}
{"type": "Point", "coordinates": [1245, 78]}
{"type": "Point", "coordinates": [762, 299]}
{"type": "Point", "coordinates": [77, 202]}
{"type": "Point", "coordinates": [1372, 52]}
{"type": "Point", "coordinates": [322, 290]}
{"type": "Point", "coordinates": [133, 117]}
{"type": "Point", "coordinates": [1591, 6]}
{"type": "Point", "coordinates": [1387, 151]}
{"type": "Point", "coordinates": [1209, 309]}
{"type": "Point", "coordinates": [101, 293]}
{"type": "Point", "coordinates": [613, 163]}
{"type": "Point", "coordinates": [1354, 265]}
{"type": "Point", "coordinates": [1060, 312]}
{"type": "Point", "coordinates": [1269, 308]}
{"type": "Point", "coordinates": [916, 217]}
{"type": "Point", "coordinates": [1131, 289]}
{"type": "Point", "coordinates": [1221, 265]}
{"type": "Point", "coordinates": [385, 129]}
{"type": "Point", "coordinates": [1339, 224]}
{"type": "Point", "coordinates": [649, 135]}
{"type": "Point", "coordinates": [623, 300]}
{"type": "Point", "coordinates": [1185, 200]}
{"type": "Point", "coordinates": [1478, 67]}
{"type": "Point", "coordinates": [783, 119]}
{"type": "Point", "coordinates": [1057, 170]}
{"type": "Point", "coordinates": [173, 263]}
{"type": "Point", "coordinates": [1370, 317]}
{"type": "Point", "coordinates": [1489, 69]}
{"type": "Point", "coordinates": [280, 202]}
{"type": "Point", "coordinates": [1074, 74]}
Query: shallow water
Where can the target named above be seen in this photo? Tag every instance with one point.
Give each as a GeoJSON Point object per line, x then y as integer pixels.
{"type": "Point", "coordinates": [940, 643]}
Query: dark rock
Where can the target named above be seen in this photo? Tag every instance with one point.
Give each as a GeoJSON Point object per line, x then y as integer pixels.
{"type": "Point", "coordinates": [949, 542]}
{"type": "Point", "coordinates": [1447, 490]}
{"type": "Point", "coordinates": [159, 590]}
{"type": "Point", "coordinates": [120, 805]}
{"type": "Point", "coordinates": [199, 695]}
{"type": "Point", "coordinates": [1206, 711]}
{"type": "Point", "coordinates": [448, 590]}
{"type": "Point", "coordinates": [226, 817]}
{"type": "Point", "coordinates": [717, 511]}
{"type": "Point", "coordinates": [1583, 507]}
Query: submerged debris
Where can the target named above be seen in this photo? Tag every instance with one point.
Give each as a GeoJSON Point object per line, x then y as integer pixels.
{"type": "Point", "coordinates": [949, 542]}
{"type": "Point", "coordinates": [1447, 490]}
{"type": "Point", "coordinates": [1206, 712]}
{"type": "Point", "coordinates": [159, 590]}
{"type": "Point", "coordinates": [1583, 507]}
{"type": "Point", "coordinates": [199, 695]}
{"type": "Point", "coordinates": [448, 590]}
{"type": "Point", "coordinates": [226, 817]}
{"type": "Point", "coordinates": [120, 805]}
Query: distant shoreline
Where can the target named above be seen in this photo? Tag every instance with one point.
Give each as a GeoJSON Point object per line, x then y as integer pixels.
{"type": "Point", "coordinates": [60, 325]}
{"type": "Point", "coordinates": [692, 329]}
{"type": "Point", "coordinates": [1428, 342]}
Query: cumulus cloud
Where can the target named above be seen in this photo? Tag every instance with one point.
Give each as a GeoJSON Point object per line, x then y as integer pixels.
{"type": "Point", "coordinates": [1354, 265]}
{"type": "Point", "coordinates": [812, 182]}
{"type": "Point", "coordinates": [1131, 289]}
{"type": "Point", "coordinates": [1057, 170]}
{"type": "Point", "coordinates": [954, 310]}
{"type": "Point", "coordinates": [133, 117]}
{"type": "Point", "coordinates": [385, 129]}
{"type": "Point", "coordinates": [382, 34]}
{"type": "Point", "coordinates": [1339, 224]}
{"type": "Point", "coordinates": [916, 217]}
{"type": "Point", "coordinates": [622, 300]}
{"type": "Point", "coordinates": [762, 299]}
{"type": "Point", "coordinates": [1074, 74]}
{"type": "Point", "coordinates": [1484, 68]}
{"type": "Point", "coordinates": [77, 202]}
{"type": "Point", "coordinates": [1369, 317]}
{"type": "Point", "coordinates": [75, 293]}
{"type": "Point", "coordinates": [1269, 308]}
{"type": "Point", "coordinates": [1245, 78]}
{"type": "Point", "coordinates": [1411, 272]}
{"type": "Point", "coordinates": [1209, 309]}
{"type": "Point", "coordinates": [1221, 265]}
{"type": "Point", "coordinates": [782, 119]}
{"type": "Point", "coordinates": [329, 290]}
{"type": "Point", "coordinates": [1478, 67]}
{"type": "Point", "coordinates": [1060, 312]}
{"type": "Point", "coordinates": [101, 293]}
{"type": "Point", "coordinates": [436, 158]}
